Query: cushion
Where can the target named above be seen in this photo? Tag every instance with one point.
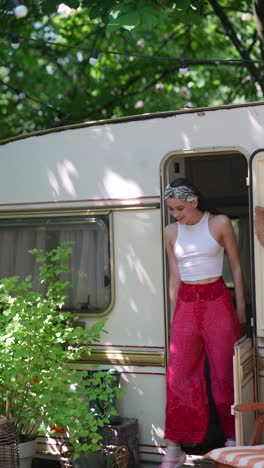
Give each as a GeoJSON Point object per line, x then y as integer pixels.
{"type": "Point", "coordinates": [240, 456]}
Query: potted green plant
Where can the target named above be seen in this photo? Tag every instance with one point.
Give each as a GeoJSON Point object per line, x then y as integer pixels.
{"type": "Point", "coordinates": [39, 388]}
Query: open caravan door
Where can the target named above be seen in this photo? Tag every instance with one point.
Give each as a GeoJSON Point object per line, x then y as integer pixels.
{"type": "Point", "coordinates": [245, 371]}
{"type": "Point", "coordinates": [244, 386]}
{"type": "Point", "coordinates": [257, 191]}
{"type": "Point", "coordinates": [248, 373]}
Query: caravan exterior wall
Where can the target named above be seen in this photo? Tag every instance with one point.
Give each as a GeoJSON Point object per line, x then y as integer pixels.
{"type": "Point", "coordinates": [114, 168]}
{"type": "Point", "coordinates": [113, 162]}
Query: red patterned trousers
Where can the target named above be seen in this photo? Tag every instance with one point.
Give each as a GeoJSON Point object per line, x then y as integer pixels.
{"type": "Point", "coordinates": [204, 323]}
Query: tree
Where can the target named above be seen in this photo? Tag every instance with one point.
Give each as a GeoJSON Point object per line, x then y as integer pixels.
{"type": "Point", "coordinates": [142, 44]}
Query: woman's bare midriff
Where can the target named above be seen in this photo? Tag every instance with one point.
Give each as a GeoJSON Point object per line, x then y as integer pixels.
{"type": "Point", "coordinates": [203, 281]}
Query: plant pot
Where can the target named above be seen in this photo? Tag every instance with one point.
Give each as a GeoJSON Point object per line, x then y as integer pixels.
{"type": "Point", "coordinates": [27, 452]}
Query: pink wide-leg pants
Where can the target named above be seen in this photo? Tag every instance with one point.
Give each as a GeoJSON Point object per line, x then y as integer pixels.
{"type": "Point", "coordinates": [204, 323]}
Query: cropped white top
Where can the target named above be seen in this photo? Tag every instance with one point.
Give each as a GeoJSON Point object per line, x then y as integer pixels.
{"type": "Point", "coordinates": [198, 254]}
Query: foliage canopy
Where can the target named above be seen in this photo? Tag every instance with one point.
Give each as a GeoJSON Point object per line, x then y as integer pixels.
{"type": "Point", "coordinates": [49, 82]}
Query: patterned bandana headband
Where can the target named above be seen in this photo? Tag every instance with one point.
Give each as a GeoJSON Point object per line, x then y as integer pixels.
{"type": "Point", "coordinates": [182, 193]}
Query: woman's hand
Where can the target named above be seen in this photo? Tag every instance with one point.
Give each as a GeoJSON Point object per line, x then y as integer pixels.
{"type": "Point", "coordinates": [241, 315]}
{"type": "Point", "coordinates": [230, 245]}
{"type": "Point", "coordinates": [170, 235]}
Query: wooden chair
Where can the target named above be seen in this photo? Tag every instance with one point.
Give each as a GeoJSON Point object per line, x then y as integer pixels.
{"type": "Point", "coordinates": [243, 456]}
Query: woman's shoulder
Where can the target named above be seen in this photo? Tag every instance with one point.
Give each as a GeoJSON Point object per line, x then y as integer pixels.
{"type": "Point", "coordinates": [220, 221]}
{"type": "Point", "coordinates": [170, 232]}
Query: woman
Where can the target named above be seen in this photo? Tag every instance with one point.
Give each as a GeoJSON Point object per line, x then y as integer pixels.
{"type": "Point", "coordinates": [204, 322]}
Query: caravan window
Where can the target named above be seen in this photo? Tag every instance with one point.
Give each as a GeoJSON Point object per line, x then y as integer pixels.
{"type": "Point", "coordinates": [90, 272]}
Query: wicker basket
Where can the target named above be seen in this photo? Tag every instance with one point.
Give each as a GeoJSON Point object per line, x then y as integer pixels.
{"type": "Point", "coordinates": [117, 459]}
{"type": "Point", "coordinates": [124, 434]}
{"type": "Point", "coordinates": [66, 460]}
{"type": "Point", "coordinates": [65, 452]}
{"type": "Point", "coordinates": [8, 444]}
{"type": "Point", "coordinates": [120, 441]}
{"type": "Point", "coordinates": [120, 457]}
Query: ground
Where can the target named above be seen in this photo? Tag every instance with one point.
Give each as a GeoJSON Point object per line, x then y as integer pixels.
{"type": "Point", "coordinates": [192, 461]}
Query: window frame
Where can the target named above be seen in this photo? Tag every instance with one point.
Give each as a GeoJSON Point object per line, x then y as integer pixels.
{"type": "Point", "coordinates": [21, 217]}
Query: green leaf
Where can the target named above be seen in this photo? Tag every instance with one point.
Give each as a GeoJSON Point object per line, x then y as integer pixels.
{"type": "Point", "coordinates": [49, 6]}
{"type": "Point", "coordinates": [72, 3]}
{"type": "Point", "coordinates": [130, 19]}
{"type": "Point", "coordinates": [183, 4]}
{"type": "Point", "coordinates": [112, 27]}
{"type": "Point", "coordinates": [190, 17]}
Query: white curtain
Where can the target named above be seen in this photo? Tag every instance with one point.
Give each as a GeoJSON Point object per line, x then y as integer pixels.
{"type": "Point", "coordinates": [14, 256]}
{"type": "Point", "coordinates": [89, 263]}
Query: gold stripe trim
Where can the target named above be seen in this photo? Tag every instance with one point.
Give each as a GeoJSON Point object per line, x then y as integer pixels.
{"type": "Point", "coordinates": [131, 358]}
{"type": "Point", "coordinates": [71, 211]}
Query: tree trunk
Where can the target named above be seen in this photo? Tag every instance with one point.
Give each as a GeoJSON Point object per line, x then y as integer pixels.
{"type": "Point", "coordinates": [258, 8]}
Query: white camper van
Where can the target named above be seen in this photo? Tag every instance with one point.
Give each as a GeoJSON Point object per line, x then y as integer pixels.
{"type": "Point", "coordinates": [101, 185]}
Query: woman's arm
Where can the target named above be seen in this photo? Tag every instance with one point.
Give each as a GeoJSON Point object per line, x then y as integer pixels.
{"type": "Point", "coordinates": [231, 248]}
{"type": "Point", "coordinates": [174, 279]}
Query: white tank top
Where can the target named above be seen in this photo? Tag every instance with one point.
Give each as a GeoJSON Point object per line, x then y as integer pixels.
{"type": "Point", "coordinates": [198, 254]}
